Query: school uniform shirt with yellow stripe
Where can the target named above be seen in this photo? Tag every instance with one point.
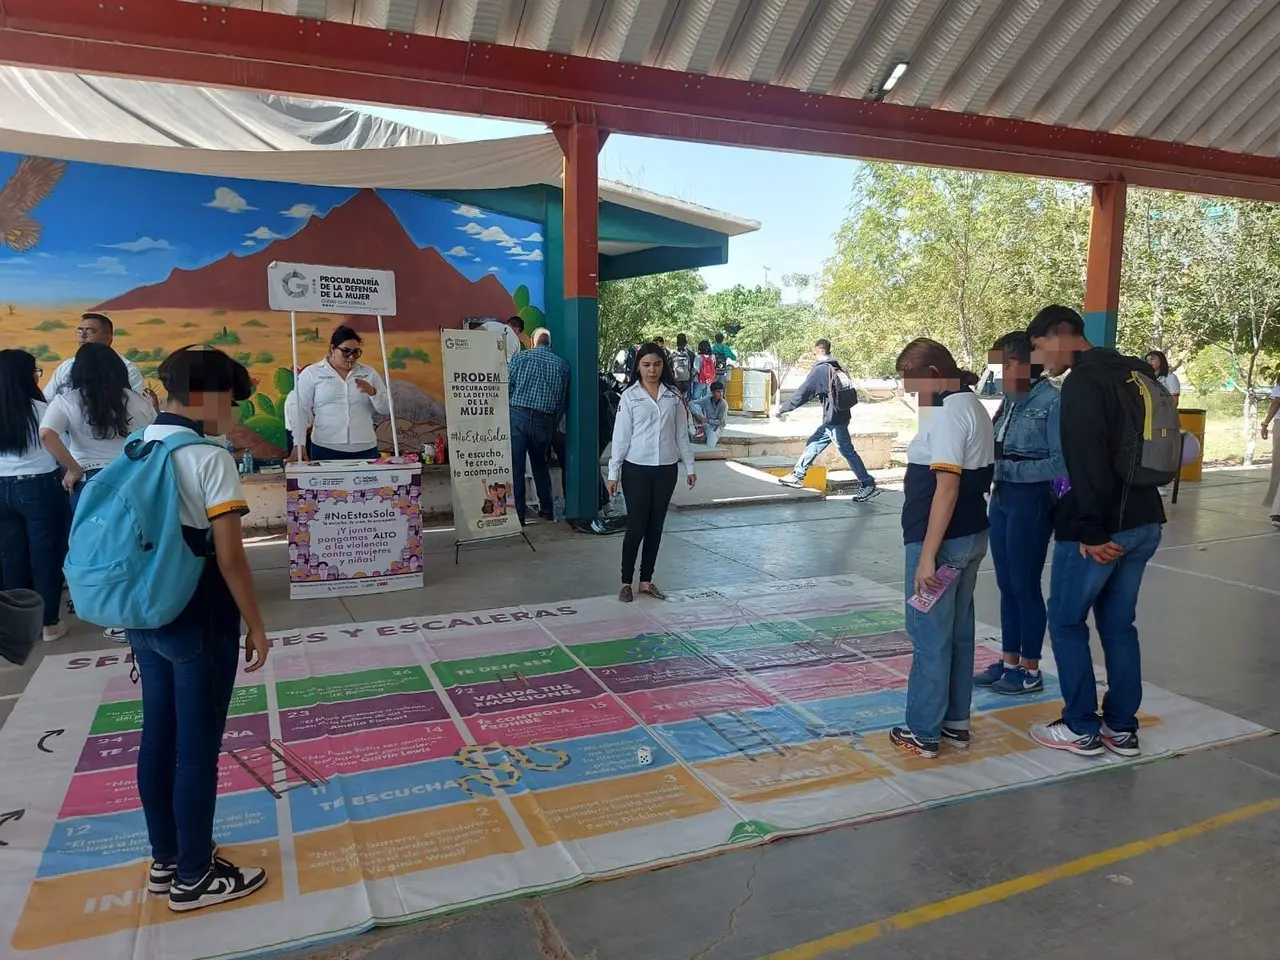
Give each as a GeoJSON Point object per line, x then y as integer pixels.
{"type": "Point", "coordinates": [208, 483]}
{"type": "Point", "coordinates": [955, 437]}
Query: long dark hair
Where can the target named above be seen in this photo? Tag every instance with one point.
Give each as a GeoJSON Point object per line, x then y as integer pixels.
{"type": "Point", "coordinates": [1162, 360]}
{"type": "Point", "coordinates": [923, 353]}
{"type": "Point", "coordinates": [102, 380]}
{"type": "Point", "coordinates": [19, 425]}
{"type": "Point", "coordinates": [648, 350]}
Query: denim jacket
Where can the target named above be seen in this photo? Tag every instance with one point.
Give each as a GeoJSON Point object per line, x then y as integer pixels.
{"type": "Point", "coordinates": [1034, 432]}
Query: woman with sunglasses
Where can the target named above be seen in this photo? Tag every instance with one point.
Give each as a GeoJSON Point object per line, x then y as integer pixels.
{"type": "Point", "coordinates": [338, 399]}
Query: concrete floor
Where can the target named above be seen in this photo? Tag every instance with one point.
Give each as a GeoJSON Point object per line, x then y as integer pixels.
{"type": "Point", "coordinates": [1208, 600]}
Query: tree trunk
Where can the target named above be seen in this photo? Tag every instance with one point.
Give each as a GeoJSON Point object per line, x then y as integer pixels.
{"type": "Point", "coordinates": [1250, 414]}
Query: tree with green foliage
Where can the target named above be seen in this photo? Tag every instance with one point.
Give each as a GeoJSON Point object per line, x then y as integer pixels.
{"type": "Point", "coordinates": [640, 308]}
{"type": "Point", "coordinates": [760, 321]}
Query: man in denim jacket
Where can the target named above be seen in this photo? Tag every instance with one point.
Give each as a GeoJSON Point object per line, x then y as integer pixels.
{"type": "Point", "coordinates": [1028, 458]}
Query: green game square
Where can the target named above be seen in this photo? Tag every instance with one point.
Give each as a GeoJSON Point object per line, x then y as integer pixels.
{"type": "Point", "coordinates": [127, 714]}
{"type": "Point", "coordinates": [117, 718]}
{"type": "Point", "coordinates": [531, 663]}
{"type": "Point", "coordinates": [309, 691]}
{"type": "Point", "coordinates": [650, 646]}
{"type": "Point", "coordinates": [747, 635]}
{"type": "Point", "coordinates": [862, 624]}
{"type": "Point", "coordinates": [248, 700]}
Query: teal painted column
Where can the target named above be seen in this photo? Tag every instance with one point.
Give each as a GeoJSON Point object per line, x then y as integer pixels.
{"type": "Point", "coordinates": [580, 333]}
{"type": "Point", "coordinates": [1102, 272]}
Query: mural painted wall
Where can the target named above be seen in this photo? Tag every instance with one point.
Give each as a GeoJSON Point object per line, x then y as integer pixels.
{"type": "Point", "coordinates": [176, 259]}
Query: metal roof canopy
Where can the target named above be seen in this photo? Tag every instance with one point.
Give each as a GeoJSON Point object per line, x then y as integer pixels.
{"type": "Point", "coordinates": [1202, 71]}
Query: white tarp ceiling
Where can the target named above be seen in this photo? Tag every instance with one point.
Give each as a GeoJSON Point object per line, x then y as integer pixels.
{"type": "Point", "coordinates": [165, 126]}
{"type": "Point", "coordinates": [161, 126]}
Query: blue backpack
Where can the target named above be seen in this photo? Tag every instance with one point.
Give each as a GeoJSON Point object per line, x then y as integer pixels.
{"type": "Point", "coordinates": [128, 564]}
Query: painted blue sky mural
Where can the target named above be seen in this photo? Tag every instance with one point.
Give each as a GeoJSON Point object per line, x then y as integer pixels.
{"type": "Point", "coordinates": [107, 230]}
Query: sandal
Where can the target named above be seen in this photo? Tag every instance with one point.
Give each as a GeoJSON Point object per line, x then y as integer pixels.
{"type": "Point", "coordinates": [625, 594]}
{"type": "Point", "coordinates": [654, 593]}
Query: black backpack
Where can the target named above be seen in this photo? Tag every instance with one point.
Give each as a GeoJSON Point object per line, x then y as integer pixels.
{"type": "Point", "coordinates": [844, 396]}
{"type": "Point", "coordinates": [1150, 451]}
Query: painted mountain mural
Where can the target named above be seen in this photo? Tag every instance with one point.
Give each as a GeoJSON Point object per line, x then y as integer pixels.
{"type": "Point", "coordinates": [177, 259]}
{"type": "Point", "coordinates": [362, 232]}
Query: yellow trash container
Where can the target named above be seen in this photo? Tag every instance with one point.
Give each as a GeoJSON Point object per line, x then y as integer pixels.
{"type": "Point", "coordinates": [1193, 422]}
{"type": "Point", "coordinates": [733, 390]}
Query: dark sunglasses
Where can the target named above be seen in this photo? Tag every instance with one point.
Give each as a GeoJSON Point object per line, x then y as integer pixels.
{"type": "Point", "coordinates": [351, 353]}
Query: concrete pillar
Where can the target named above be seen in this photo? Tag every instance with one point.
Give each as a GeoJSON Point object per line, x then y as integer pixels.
{"type": "Point", "coordinates": [1102, 275]}
{"type": "Point", "coordinates": [579, 339]}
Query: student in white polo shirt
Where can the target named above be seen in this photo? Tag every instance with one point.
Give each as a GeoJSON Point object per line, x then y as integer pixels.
{"type": "Point", "coordinates": [950, 464]}
{"type": "Point", "coordinates": [188, 668]}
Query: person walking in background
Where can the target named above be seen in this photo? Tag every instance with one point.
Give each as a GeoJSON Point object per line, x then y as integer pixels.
{"type": "Point", "coordinates": [682, 364]}
{"type": "Point", "coordinates": [1028, 449]}
{"type": "Point", "coordinates": [1106, 528]}
{"type": "Point", "coordinates": [1272, 498]}
{"type": "Point", "coordinates": [338, 399]}
{"type": "Point", "coordinates": [1166, 377]}
{"type": "Point", "coordinates": [944, 526]}
{"type": "Point", "coordinates": [706, 364]}
{"type": "Point", "coordinates": [722, 353]}
{"type": "Point", "coordinates": [650, 437]}
{"type": "Point", "coordinates": [538, 382]}
{"type": "Point", "coordinates": [95, 328]}
{"type": "Point", "coordinates": [188, 667]}
{"type": "Point", "coordinates": [33, 506]}
{"type": "Point", "coordinates": [828, 382]}
{"type": "Point", "coordinates": [96, 415]}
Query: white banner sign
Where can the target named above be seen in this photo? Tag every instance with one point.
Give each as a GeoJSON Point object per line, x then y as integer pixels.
{"type": "Point", "coordinates": [310, 288]}
{"type": "Point", "coordinates": [479, 418]}
{"type": "Point", "coordinates": [353, 528]}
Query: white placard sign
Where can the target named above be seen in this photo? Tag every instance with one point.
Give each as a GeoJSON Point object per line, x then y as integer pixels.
{"type": "Point", "coordinates": [311, 288]}
{"type": "Point", "coordinates": [479, 418]}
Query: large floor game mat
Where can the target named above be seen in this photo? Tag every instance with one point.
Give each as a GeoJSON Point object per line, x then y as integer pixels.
{"type": "Point", "coordinates": [384, 772]}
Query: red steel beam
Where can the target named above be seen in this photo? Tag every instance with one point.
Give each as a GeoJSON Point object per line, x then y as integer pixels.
{"type": "Point", "coordinates": [230, 47]}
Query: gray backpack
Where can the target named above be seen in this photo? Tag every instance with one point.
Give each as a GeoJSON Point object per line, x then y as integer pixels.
{"type": "Point", "coordinates": [1150, 453]}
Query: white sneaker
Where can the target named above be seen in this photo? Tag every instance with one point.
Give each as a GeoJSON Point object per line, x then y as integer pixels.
{"type": "Point", "coordinates": [1058, 736]}
{"type": "Point", "coordinates": [223, 883]}
{"type": "Point", "coordinates": [55, 632]}
{"type": "Point", "coordinates": [116, 634]}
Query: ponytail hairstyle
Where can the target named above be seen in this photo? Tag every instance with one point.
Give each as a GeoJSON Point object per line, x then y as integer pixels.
{"type": "Point", "coordinates": [922, 354]}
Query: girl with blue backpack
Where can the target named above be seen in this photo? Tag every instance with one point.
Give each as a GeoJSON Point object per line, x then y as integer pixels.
{"type": "Point", "coordinates": [180, 590]}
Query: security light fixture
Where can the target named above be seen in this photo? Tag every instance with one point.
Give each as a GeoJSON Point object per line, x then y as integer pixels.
{"type": "Point", "coordinates": [895, 75]}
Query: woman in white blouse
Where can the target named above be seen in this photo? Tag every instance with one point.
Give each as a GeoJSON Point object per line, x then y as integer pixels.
{"type": "Point", "coordinates": [1272, 499]}
{"type": "Point", "coordinates": [1160, 367]}
{"type": "Point", "coordinates": [337, 399]}
{"type": "Point", "coordinates": [33, 505]}
{"type": "Point", "coordinates": [95, 416]}
{"type": "Point", "coordinates": [650, 437]}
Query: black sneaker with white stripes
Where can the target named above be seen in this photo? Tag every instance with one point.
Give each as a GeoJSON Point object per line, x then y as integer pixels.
{"type": "Point", "coordinates": [223, 883]}
{"type": "Point", "coordinates": [161, 876]}
{"type": "Point", "coordinates": [960, 739]}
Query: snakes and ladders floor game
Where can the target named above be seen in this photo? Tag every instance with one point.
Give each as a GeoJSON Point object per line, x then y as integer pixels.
{"type": "Point", "coordinates": [383, 772]}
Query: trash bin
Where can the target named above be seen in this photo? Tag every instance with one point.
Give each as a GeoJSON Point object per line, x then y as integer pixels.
{"type": "Point", "coordinates": [1193, 422]}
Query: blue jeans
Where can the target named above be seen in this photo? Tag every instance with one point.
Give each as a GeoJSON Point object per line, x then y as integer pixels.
{"type": "Point", "coordinates": [79, 488]}
{"type": "Point", "coordinates": [1077, 585]}
{"type": "Point", "coordinates": [531, 437]}
{"type": "Point", "coordinates": [820, 440]}
{"type": "Point", "coordinates": [941, 683]}
{"type": "Point", "coordinates": [33, 538]}
{"type": "Point", "coordinates": [188, 670]}
{"type": "Point", "coordinates": [1021, 528]}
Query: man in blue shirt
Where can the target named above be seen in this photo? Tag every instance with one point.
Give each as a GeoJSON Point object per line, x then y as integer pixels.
{"type": "Point", "coordinates": [539, 385]}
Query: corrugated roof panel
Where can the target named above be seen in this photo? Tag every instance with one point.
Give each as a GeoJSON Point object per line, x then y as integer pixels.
{"type": "Point", "coordinates": [638, 38]}
{"type": "Point", "coordinates": [791, 19]}
{"type": "Point", "coordinates": [1007, 65]}
{"type": "Point", "coordinates": [832, 64]}
{"type": "Point", "coordinates": [714, 33]}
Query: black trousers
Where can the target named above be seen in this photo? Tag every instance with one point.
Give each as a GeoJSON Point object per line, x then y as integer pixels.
{"type": "Point", "coordinates": [648, 491]}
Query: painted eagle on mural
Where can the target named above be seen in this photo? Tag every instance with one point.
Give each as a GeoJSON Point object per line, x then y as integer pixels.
{"type": "Point", "coordinates": [31, 183]}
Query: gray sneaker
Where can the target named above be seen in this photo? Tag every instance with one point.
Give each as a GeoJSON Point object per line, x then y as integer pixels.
{"type": "Point", "coordinates": [791, 480]}
{"type": "Point", "coordinates": [864, 493]}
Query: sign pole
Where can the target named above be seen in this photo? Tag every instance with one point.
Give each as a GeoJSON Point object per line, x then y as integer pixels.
{"type": "Point", "coordinates": [386, 380]}
{"type": "Point", "coordinates": [298, 442]}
